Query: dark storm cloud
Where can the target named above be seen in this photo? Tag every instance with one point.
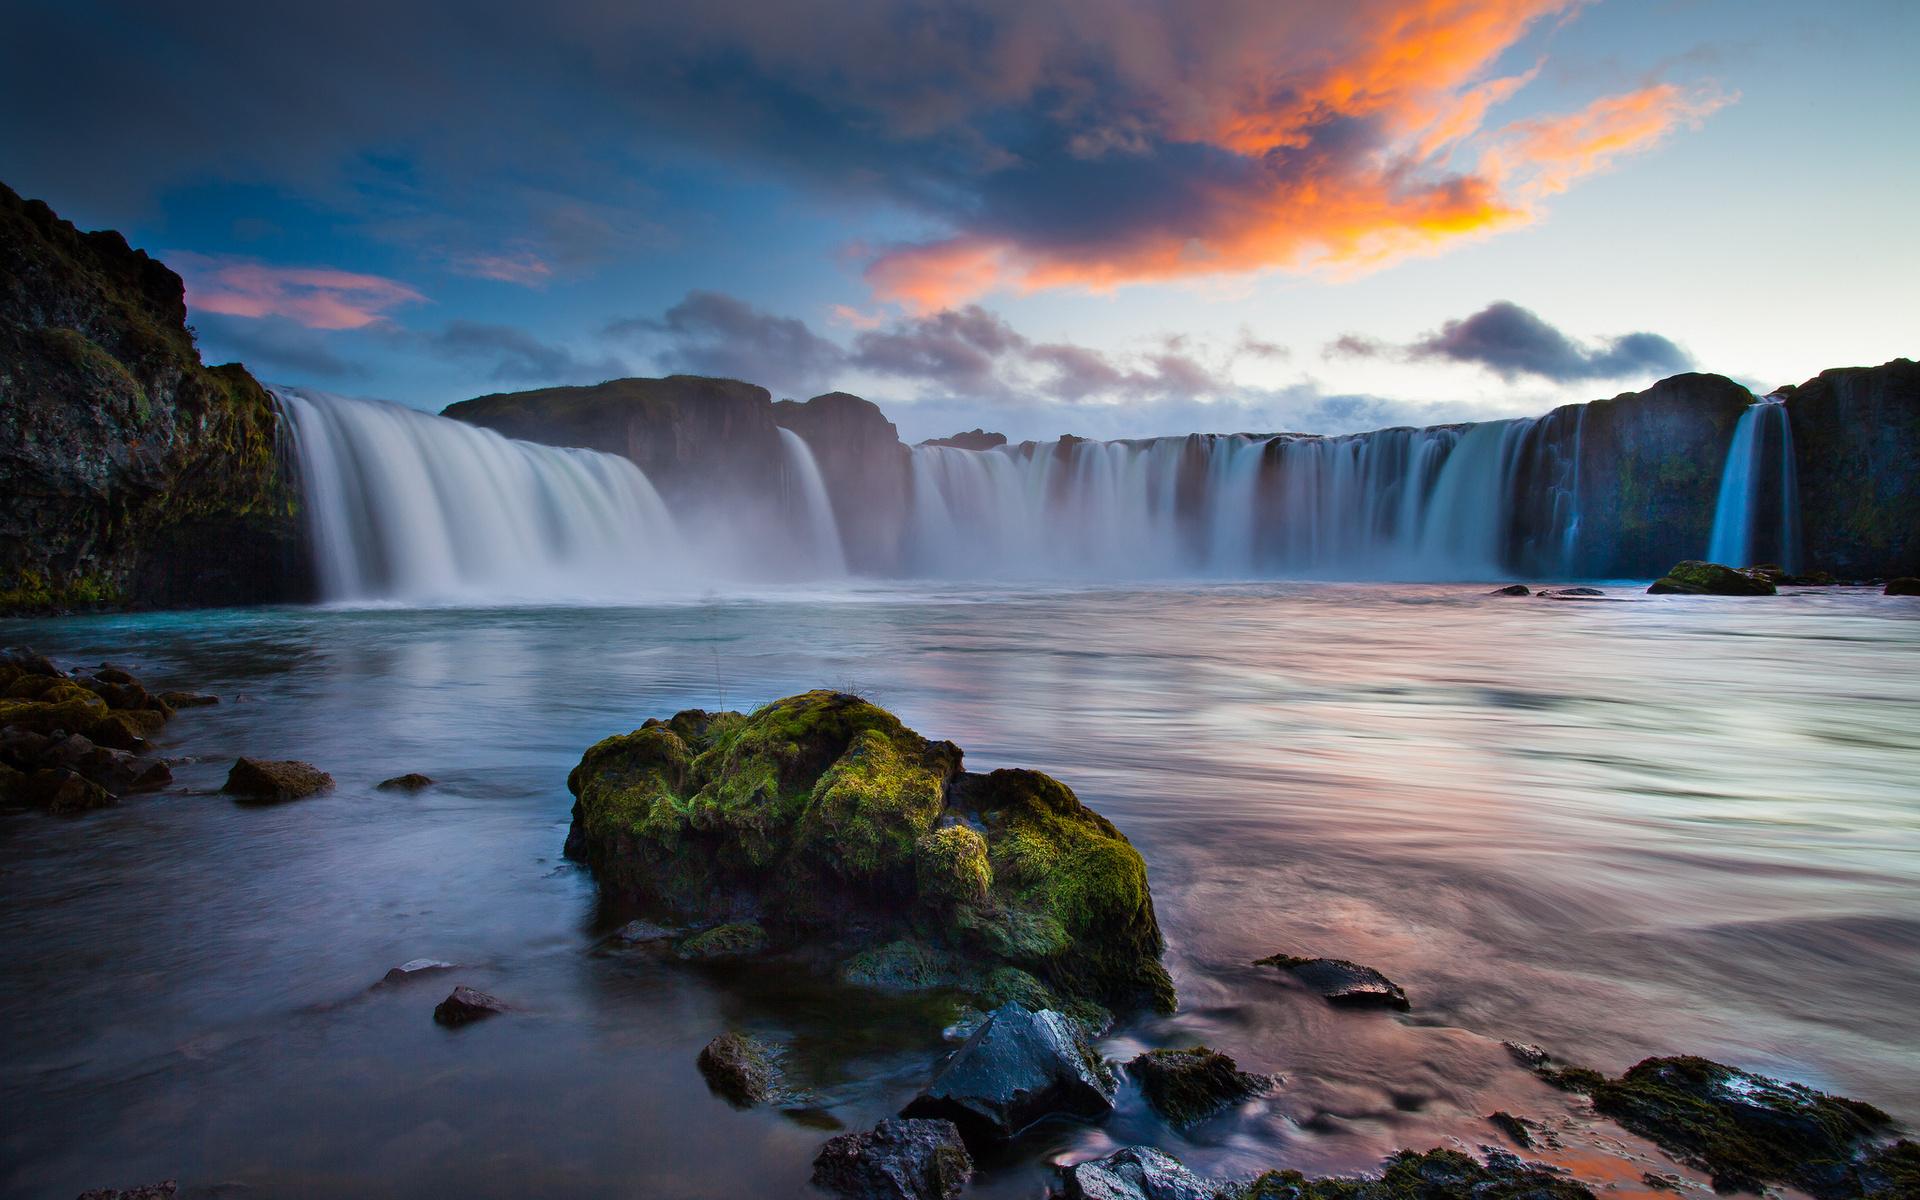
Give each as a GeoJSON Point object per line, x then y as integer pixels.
{"type": "Point", "coordinates": [711, 333]}
{"type": "Point", "coordinates": [1511, 342]}
{"type": "Point", "coordinates": [509, 354]}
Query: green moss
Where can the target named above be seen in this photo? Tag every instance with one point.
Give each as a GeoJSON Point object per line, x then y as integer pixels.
{"type": "Point", "coordinates": [1696, 578]}
{"type": "Point", "coordinates": [34, 592]}
{"type": "Point", "coordinates": [835, 816]}
{"type": "Point", "coordinates": [1433, 1175]}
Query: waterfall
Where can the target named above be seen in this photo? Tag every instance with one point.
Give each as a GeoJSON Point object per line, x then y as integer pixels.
{"type": "Point", "coordinates": [1436, 504]}
{"type": "Point", "coordinates": [407, 506]}
{"type": "Point", "coordinates": [1757, 516]}
{"type": "Point", "coordinates": [806, 497]}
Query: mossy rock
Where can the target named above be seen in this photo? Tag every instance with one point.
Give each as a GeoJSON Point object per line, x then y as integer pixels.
{"type": "Point", "coordinates": [1696, 578]}
{"type": "Point", "coordinates": [735, 940]}
{"type": "Point", "coordinates": [836, 823]}
{"type": "Point", "coordinates": [1433, 1175]}
{"type": "Point", "coordinates": [741, 1069]}
{"type": "Point", "coordinates": [1188, 1086]}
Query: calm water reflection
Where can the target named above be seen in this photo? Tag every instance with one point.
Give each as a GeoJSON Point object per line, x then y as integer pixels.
{"type": "Point", "coordinates": [1613, 829]}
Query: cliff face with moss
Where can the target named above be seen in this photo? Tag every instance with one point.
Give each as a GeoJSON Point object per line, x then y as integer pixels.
{"type": "Point", "coordinates": [1856, 441]}
{"type": "Point", "coordinates": [130, 473]}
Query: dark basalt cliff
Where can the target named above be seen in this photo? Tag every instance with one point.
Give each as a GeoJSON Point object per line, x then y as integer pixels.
{"type": "Point", "coordinates": [1856, 441]}
{"type": "Point", "coordinates": [868, 472]}
{"type": "Point", "coordinates": [130, 473]}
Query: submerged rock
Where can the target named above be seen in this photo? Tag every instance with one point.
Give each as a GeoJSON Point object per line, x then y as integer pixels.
{"type": "Point", "coordinates": [188, 699]}
{"type": "Point", "coordinates": [1904, 586]}
{"type": "Point", "coordinates": [1512, 589]}
{"type": "Point", "coordinates": [1747, 1130]}
{"type": "Point", "coordinates": [1018, 1068]}
{"type": "Point", "coordinates": [467, 1004]}
{"type": "Point", "coordinates": [416, 968]}
{"type": "Point", "coordinates": [1433, 1175]}
{"type": "Point", "coordinates": [164, 1190]}
{"type": "Point", "coordinates": [1347, 984]}
{"type": "Point", "coordinates": [413, 781]}
{"type": "Point", "coordinates": [1515, 1128]}
{"type": "Point", "coordinates": [724, 941]}
{"type": "Point", "coordinates": [832, 821]}
{"type": "Point", "coordinates": [895, 1160]}
{"type": "Point", "coordinates": [1188, 1086]}
{"type": "Point", "coordinates": [1572, 593]}
{"type": "Point", "coordinates": [1135, 1173]}
{"type": "Point", "coordinates": [1696, 578]}
{"type": "Point", "coordinates": [643, 933]}
{"type": "Point", "coordinates": [740, 1069]}
{"type": "Point", "coordinates": [269, 779]}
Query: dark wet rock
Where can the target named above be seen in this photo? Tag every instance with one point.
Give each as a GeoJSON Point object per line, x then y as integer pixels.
{"type": "Point", "coordinates": [1856, 443]}
{"type": "Point", "coordinates": [972, 439]}
{"type": "Point", "coordinates": [108, 673]}
{"type": "Point", "coordinates": [1696, 578]}
{"type": "Point", "coordinates": [1513, 1127]}
{"type": "Point", "coordinates": [1512, 589]}
{"type": "Point", "coordinates": [164, 1190]}
{"type": "Point", "coordinates": [465, 1005]}
{"type": "Point", "coordinates": [22, 661]}
{"type": "Point", "coordinates": [130, 472]}
{"type": "Point", "coordinates": [1572, 593]}
{"type": "Point", "coordinates": [1527, 1054]}
{"type": "Point", "coordinates": [895, 1160]}
{"type": "Point", "coordinates": [724, 941]}
{"type": "Point", "coordinates": [413, 781]}
{"type": "Point", "coordinates": [742, 1070]}
{"type": "Point", "coordinates": [1904, 586]}
{"type": "Point", "coordinates": [1745, 1130]}
{"type": "Point", "coordinates": [416, 968]}
{"type": "Point", "coordinates": [269, 779]}
{"type": "Point", "coordinates": [1018, 1068]}
{"type": "Point", "coordinates": [1135, 1173]}
{"type": "Point", "coordinates": [1188, 1086]}
{"type": "Point", "coordinates": [834, 824]}
{"type": "Point", "coordinates": [1433, 1175]}
{"type": "Point", "coordinates": [1343, 983]}
{"type": "Point", "coordinates": [64, 792]}
{"type": "Point", "coordinates": [188, 699]}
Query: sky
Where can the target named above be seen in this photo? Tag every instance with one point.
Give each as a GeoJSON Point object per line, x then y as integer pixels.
{"type": "Point", "coordinates": [1088, 216]}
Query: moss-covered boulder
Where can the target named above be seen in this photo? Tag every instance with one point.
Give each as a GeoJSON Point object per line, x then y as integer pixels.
{"type": "Point", "coordinates": [1432, 1175]}
{"type": "Point", "coordinates": [832, 823]}
{"type": "Point", "coordinates": [741, 1069]}
{"type": "Point", "coordinates": [1695, 578]}
{"type": "Point", "coordinates": [68, 742]}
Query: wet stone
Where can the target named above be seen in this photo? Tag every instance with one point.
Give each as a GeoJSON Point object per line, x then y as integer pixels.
{"type": "Point", "coordinates": [895, 1160]}
{"type": "Point", "coordinates": [466, 1005]}
{"type": "Point", "coordinates": [1343, 983]}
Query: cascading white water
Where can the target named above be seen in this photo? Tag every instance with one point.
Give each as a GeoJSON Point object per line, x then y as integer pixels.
{"type": "Point", "coordinates": [407, 506]}
{"type": "Point", "coordinates": [806, 496]}
{"type": "Point", "coordinates": [1756, 518]}
{"type": "Point", "coordinates": [1401, 503]}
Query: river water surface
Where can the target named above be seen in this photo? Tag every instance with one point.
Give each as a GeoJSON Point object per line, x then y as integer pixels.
{"type": "Point", "coordinates": [1614, 829]}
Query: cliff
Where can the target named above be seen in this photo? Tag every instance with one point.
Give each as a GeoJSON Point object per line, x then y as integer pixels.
{"type": "Point", "coordinates": [130, 473]}
{"type": "Point", "coordinates": [1856, 441]}
{"type": "Point", "coordinates": [868, 472]}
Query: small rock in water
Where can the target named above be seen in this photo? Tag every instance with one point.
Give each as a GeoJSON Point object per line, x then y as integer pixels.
{"type": "Point", "coordinates": [640, 933]}
{"type": "Point", "coordinates": [1528, 1055]}
{"type": "Point", "coordinates": [1513, 1127]}
{"type": "Point", "coordinates": [164, 1190]}
{"type": "Point", "coordinates": [1135, 1173]}
{"type": "Point", "coordinates": [1572, 593]}
{"type": "Point", "coordinates": [465, 1005]}
{"type": "Point", "coordinates": [1512, 589]}
{"type": "Point", "coordinates": [1188, 1086]}
{"type": "Point", "coordinates": [1344, 983]}
{"type": "Point", "coordinates": [1906, 585]}
{"type": "Point", "coordinates": [895, 1160]}
{"type": "Point", "coordinates": [62, 791]}
{"type": "Point", "coordinates": [188, 699]}
{"type": "Point", "coordinates": [740, 1069]}
{"type": "Point", "coordinates": [1696, 578]}
{"type": "Point", "coordinates": [267, 779]}
{"type": "Point", "coordinates": [416, 968]}
{"type": "Point", "coordinates": [1018, 1067]}
{"type": "Point", "coordinates": [413, 781]}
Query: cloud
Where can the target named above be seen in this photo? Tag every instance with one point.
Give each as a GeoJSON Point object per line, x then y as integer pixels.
{"type": "Point", "coordinates": [510, 354]}
{"type": "Point", "coordinates": [523, 267]}
{"type": "Point", "coordinates": [272, 346]}
{"type": "Point", "coordinates": [1512, 342]}
{"type": "Point", "coordinates": [711, 333]}
{"type": "Point", "coordinates": [316, 297]}
{"type": "Point", "coordinates": [1080, 143]}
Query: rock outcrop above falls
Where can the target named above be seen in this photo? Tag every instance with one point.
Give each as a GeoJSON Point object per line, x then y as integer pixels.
{"type": "Point", "coordinates": [130, 473]}
{"type": "Point", "coordinates": [1856, 441]}
{"type": "Point", "coordinates": [867, 470]}
{"type": "Point", "coordinates": [840, 831]}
